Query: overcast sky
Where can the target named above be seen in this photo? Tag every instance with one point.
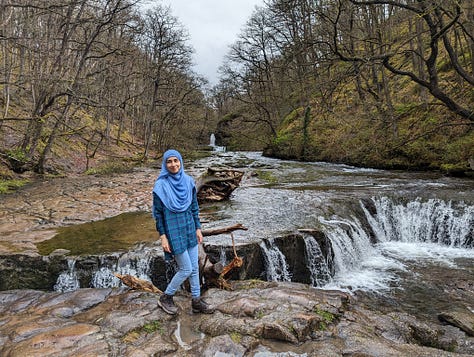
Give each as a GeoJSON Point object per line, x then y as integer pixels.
{"type": "Point", "coordinates": [213, 25]}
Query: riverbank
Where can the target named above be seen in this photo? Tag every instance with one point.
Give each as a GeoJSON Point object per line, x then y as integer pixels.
{"type": "Point", "coordinates": [33, 213]}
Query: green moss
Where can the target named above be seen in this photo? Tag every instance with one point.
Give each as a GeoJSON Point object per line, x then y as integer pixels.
{"type": "Point", "coordinates": [267, 176]}
{"type": "Point", "coordinates": [7, 186]}
{"type": "Point", "coordinates": [230, 117]}
{"type": "Point", "coordinates": [110, 168]}
{"type": "Point", "coordinates": [236, 337]}
{"type": "Point", "coordinates": [251, 283]}
{"type": "Point", "coordinates": [327, 318]}
{"type": "Point", "coordinates": [153, 326]}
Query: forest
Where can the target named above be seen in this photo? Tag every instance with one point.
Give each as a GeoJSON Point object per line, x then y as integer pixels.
{"type": "Point", "coordinates": [90, 83]}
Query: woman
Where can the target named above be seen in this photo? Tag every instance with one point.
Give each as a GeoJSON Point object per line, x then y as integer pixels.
{"type": "Point", "coordinates": [176, 213]}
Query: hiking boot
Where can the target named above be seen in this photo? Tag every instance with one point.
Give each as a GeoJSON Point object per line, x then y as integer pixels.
{"type": "Point", "coordinates": [200, 306]}
{"type": "Point", "coordinates": [167, 304]}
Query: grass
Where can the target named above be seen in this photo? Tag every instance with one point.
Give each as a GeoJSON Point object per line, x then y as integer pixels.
{"type": "Point", "coordinates": [8, 186]}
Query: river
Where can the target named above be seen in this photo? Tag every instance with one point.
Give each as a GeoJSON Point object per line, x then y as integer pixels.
{"type": "Point", "coordinates": [393, 233]}
{"type": "Point", "coordinates": [420, 217]}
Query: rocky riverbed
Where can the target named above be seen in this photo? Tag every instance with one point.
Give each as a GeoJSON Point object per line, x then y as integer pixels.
{"type": "Point", "coordinates": [257, 318]}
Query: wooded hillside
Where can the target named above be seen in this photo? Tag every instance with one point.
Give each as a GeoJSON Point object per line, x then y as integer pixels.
{"type": "Point", "coordinates": [81, 78]}
{"type": "Point", "coordinates": [372, 83]}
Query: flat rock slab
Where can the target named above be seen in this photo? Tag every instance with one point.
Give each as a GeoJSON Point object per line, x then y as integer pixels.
{"type": "Point", "coordinates": [255, 319]}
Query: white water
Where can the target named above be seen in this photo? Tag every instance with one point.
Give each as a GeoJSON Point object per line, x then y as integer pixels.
{"type": "Point", "coordinates": [316, 262]}
{"type": "Point", "coordinates": [131, 263]}
{"type": "Point", "coordinates": [67, 280]}
{"type": "Point", "coordinates": [275, 262]}
{"type": "Point", "coordinates": [212, 143]}
{"type": "Point", "coordinates": [418, 221]}
{"type": "Point", "coordinates": [425, 232]}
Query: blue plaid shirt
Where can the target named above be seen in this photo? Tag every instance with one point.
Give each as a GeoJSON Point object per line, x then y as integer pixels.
{"type": "Point", "coordinates": [179, 227]}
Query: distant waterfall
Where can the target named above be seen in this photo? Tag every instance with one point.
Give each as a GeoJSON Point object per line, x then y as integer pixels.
{"type": "Point", "coordinates": [212, 140]}
{"type": "Point", "coordinates": [212, 144]}
{"type": "Point", "coordinates": [275, 262]}
{"type": "Point", "coordinates": [67, 280]}
{"type": "Point", "coordinates": [434, 221]}
{"type": "Point", "coordinates": [316, 262]}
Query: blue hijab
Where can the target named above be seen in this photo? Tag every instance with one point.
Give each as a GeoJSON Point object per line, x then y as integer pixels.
{"type": "Point", "coordinates": [174, 190]}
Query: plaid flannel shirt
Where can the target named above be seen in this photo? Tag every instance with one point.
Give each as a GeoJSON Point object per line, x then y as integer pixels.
{"type": "Point", "coordinates": [179, 227]}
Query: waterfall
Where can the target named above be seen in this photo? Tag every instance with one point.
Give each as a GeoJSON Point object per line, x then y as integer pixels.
{"type": "Point", "coordinates": [212, 143]}
{"type": "Point", "coordinates": [222, 257]}
{"type": "Point", "coordinates": [212, 140]}
{"type": "Point", "coordinates": [275, 262]}
{"type": "Point", "coordinates": [350, 243]}
{"type": "Point", "coordinates": [104, 278]}
{"type": "Point", "coordinates": [131, 263]}
{"type": "Point", "coordinates": [67, 280]}
{"type": "Point", "coordinates": [359, 263]}
{"type": "Point", "coordinates": [434, 221]}
{"type": "Point", "coordinates": [135, 263]}
{"type": "Point", "coordinates": [316, 262]}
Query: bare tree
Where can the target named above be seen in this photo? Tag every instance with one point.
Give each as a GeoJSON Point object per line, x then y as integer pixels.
{"type": "Point", "coordinates": [441, 19]}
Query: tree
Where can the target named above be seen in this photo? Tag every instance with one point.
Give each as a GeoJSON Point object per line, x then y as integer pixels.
{"type": "Point", "coordinates": [443, 23]}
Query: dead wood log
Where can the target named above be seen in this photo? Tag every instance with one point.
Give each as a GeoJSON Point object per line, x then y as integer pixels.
{"type": "Point", "coordinates": [138, 284]}
{"type": "Point", "coordinates": [215, 274]}
{"type": "Point", "coordinates": [228, 229]}
{"type": "Point", "coordinates": [217, 184]}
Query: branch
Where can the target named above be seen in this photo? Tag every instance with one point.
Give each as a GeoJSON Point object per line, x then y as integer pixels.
{"type": "Point", "coordinates": [229, 229]}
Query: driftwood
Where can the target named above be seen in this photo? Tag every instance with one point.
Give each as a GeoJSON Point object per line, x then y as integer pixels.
{"type": "Point", "coordinates": [229, 229]}
{"type": "Point", "coordinates": [215, 274]}
{"type": "Point", "coordinates": [138, 284]}
{"type": "Point", "coordinates": [217, 184]}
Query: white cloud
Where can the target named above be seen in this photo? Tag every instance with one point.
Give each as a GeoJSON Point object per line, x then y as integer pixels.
{"type": "Point", "coordinates": [213, 26]}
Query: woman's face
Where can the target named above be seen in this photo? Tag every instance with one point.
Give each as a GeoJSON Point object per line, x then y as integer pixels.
{"type": "Point", "coordinates": [173, 165]}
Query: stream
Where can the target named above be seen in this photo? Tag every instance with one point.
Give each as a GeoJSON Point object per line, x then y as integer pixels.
{"type": "Point", "coordinates": [404, 236]}
{"type": "Point", "coordinates": [420, 240]}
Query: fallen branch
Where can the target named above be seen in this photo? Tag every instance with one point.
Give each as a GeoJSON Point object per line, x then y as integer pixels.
{"type": "Point", "coordinates": [229, 229]}
{"type": "Point", "coordinates": [214, 274]}
{"type": "Point", "coordinates": [138, 284]}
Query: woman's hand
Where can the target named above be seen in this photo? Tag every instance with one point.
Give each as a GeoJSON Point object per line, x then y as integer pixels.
{"type": "Point", "coordinates": [165, 244]}
{"type": "Point", "coordinates": [199, 235]}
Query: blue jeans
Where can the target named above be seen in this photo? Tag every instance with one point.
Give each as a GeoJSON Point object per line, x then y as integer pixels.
{"type": "Point", "coordinates": [188, 267]}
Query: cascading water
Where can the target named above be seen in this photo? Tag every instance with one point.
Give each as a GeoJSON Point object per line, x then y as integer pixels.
{"type": "Point", "coordinates": [212, 143]}
{"type": "Point", "coordinates": [67, 280]}
{"type": "Point", "coordinates": [316, 262]}
{"type": "Point", "coordinates": [135, 263]}
{"type": "Point", "coordinates": [417, 229]}
{"type": "Point", "coordinates": [275, 262]}
{"type": "Point", "coordinates": [417, 221]}
{"type": "Point", "coordinates": [131, 263]}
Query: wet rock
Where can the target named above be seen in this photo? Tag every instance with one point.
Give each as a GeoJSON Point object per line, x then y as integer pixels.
{"type": "Point", "coordinates": [462, 319]}
{"type": "Point", "coordinates": [223, 346]}
{"type": "Point", "coordinates": [257, 318]}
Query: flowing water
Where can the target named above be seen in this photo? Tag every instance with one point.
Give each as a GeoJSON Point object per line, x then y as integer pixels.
{"type": "Point", "coordinates": [416, 220]}
{"type": "Point", "coordinates": [390, 231]}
